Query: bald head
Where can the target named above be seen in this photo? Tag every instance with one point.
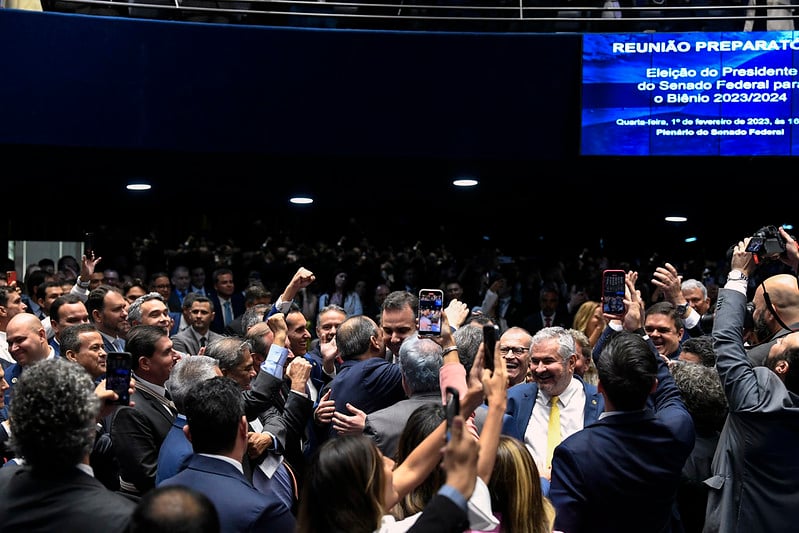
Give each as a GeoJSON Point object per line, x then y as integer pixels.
{"type": "Point", "coordinates": [783, 292]}
{"type": "Point", "coordinates": [27, 339]}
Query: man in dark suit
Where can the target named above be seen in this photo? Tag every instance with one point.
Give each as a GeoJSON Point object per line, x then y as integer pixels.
{"type": "Point", "coordinates": [138, 431]}
{"type": "Point", "coordinates": [55, 488]}
{"type": "Point", "coordinates": [621, 473]}
{"type": "Point", "coordinates": [756, 474]}
{"type": "Point", "coordinates": [420, 362]}
{"type": "Point", "coordinates": [228, 302]}
{"type": "Point", "coordinates": [551, 311]}
{"type": "Point", "coordinates": [365, 379]}
{"type": "Point", "coordinates": [175, 451]}
{"type": "Point", "coordinates": [216, 426]}
{"type": "Point", "coordinates": [181, 282]}
{"type": "Point", "coordinates": [254, 295]}
{"type": "Point", "coordinates": [108, 310]}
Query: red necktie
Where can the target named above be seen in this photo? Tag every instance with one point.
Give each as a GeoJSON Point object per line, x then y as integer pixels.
{"type": "Point", "coordinates": [548, 321]}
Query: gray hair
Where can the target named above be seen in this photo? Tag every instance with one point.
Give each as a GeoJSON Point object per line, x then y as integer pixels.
{"type": "Point", "coordinates": [134, 310]}
{"type": "Point", "coordinates": [253, 315]}
{"type": "Point", "coordinates": [354, 335]}
{"type": "Point", "coordinates": [702, 394]}
{"type": "Point", "coordinates": [467, 339]}
{"type": "Point", "coordinates": [420, 361]}
{"type": "Point", "coordinates": [53, 415]}
{"type": "Point", "coordinates": [566, 346]}
{"type": "Point", "coordinates": [690, 284]}
{"type": "Point", "coordinates": [187, 372]}
{"type": "Point", "coordinates": [229, 351]}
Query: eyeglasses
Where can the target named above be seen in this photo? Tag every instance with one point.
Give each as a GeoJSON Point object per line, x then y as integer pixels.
{"type": "Point", "coordinates": [517, 350]}
{"type": "Point", "coordinates": [663, 330]}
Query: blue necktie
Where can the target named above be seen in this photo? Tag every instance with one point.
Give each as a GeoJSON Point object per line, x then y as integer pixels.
{"type": "Point", "coordinates": [228, 312]}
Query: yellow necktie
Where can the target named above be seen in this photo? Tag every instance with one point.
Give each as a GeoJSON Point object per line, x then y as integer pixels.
{"type": "Point", "coordinates": [553, 430]}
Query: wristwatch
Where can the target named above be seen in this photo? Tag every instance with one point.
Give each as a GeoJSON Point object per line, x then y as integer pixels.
{"type": "Point", "coordinates": [737, 275]}
{"type": "Point", "coordinates": [681, 309]}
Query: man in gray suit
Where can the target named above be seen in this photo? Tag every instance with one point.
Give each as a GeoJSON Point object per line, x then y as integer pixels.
{"type": "Point", "coordinates": [191, 339]}
{"type": "Point", "coordinates": [420, 361]}
{"type": "Point", "coordinates": [755, 472]}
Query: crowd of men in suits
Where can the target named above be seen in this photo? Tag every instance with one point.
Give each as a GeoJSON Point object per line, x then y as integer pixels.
{"type": "Point", "coordinates": [234, 418]}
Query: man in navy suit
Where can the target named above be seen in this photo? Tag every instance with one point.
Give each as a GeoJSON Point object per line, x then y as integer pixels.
{"type": "Point", "coordinates": [217, 428]}
{"type": "Point", "coordinates": [365, 379]}
{"type": "Point", "coordinates": [621, 473]}
{"type": "Point", "coordinates": [552, 360]}
{"type": "Point", "coordinates": [225, 294]}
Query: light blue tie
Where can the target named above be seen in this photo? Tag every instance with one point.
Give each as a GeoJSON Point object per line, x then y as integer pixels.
{"type": "Point", "coordinates": [228, 313]}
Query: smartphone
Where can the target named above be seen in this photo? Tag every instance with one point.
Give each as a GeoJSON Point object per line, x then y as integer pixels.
{"type": "Point", "coordinates": [431, 305]}
{"type": "Point", "coordinates": [453, 407]}
{"type": "Point", "coordinates": [613, 284]}
{"type": "Point", "coordinates": [117, 375]}
{"type": "Point", "coordinates": [11, 277]}
{"type": "Point", "coordinates": [88, 244]}
{"type": "Point", "coordinates": [489, 343]}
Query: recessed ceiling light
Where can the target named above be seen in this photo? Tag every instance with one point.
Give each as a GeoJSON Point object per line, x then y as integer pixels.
{"type": "Point", "coordinates": [139, 186]}
{"type": "Point", "coordinates": [690, 239]}
{"type": "Point", "coordinates": [301, 200]}
{"type": "Point", "coordinates": [676, 218]}
{"type": "Point", "coordinates": [465, 182]}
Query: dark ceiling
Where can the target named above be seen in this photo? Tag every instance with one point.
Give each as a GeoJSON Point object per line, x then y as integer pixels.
{"type": "Point", "coordinates": [522, 207]}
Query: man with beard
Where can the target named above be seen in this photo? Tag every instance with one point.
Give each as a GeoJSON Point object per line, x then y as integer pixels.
{"type": "Point", "coordinates": [553, 356]}
{"type": "Point", "coordinates": [776, 314]}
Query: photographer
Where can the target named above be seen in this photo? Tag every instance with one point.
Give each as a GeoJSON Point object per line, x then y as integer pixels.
{"type": "Point", "coordinates": [755, 472]}
{"type": "Point", "coordinates": [776, 299]}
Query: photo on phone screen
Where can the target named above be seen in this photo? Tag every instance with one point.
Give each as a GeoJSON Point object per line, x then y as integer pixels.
{"type": "Point", "coordinates": [489, 343]}
{"type": "Point", "coordinates": [11, 277]}
{"type": "Point", "coordinates": [117, 375]}
{"type": "Point", "coordinates": [453, 407]}
{"type": "Point", "coordinates": [431, 305]}
{"type": "Point", "coordinates": [613, 292]}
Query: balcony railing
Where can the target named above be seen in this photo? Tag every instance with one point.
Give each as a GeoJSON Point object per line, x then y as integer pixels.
{"type": "Point", "coordinates": [526, 16]}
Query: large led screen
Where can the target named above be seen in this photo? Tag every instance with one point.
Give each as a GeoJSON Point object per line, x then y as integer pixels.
{"type": "Point", "coordinates": [690, 94]}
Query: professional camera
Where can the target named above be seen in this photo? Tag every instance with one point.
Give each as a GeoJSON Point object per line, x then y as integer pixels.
{"type": "Point", "coordinates": [766, 244]}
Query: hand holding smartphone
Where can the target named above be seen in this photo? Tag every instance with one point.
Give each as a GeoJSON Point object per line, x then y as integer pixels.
{"type": "Point", "coordinates": [613, 285]}
{"type": "Point", "coordinates": [489, 344]}
{"type": "Point", "coordinates": [11, 277]}
{"type": "Point", "coordinates": [117, 375]}
{"type": "Point", "coordinates": [431, 305]}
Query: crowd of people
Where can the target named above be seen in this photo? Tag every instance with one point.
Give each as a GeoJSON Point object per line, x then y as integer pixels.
{"type": "Point", "coordinates": [292, 392]}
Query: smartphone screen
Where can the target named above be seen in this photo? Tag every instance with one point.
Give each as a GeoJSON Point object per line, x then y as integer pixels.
{"type": "Point", "coordinates": [489, 343]}
{"type": "Point", "coordinates": [117, 375]}
{"type": "Point", "coordinates": [613, 292]}
{"type": "Point", "coordinates": [453, 407]}
{"type": "Point", "coordinates": [431, 305]}
{"type": "Point", "coordinates": [11, 277]}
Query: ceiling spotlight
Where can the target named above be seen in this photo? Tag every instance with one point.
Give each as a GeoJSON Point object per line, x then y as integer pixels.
{"type": "Point", "coordinates": [138, 186]}
{"type": "Point", "coordinates": [675, 218]}
{"type": "Point", "coordinates": [690, 239]}
{"type": "Point", "coordinates": [301, 200]}
{"type": "Point", "coordinates": [465, 182]}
